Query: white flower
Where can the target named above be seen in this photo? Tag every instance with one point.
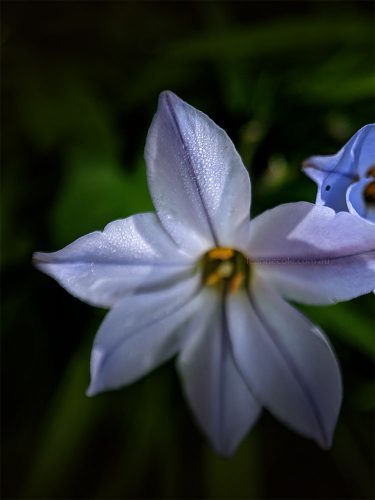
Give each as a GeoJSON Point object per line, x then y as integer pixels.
{"type": "Point", "coordinates": [197, 279]}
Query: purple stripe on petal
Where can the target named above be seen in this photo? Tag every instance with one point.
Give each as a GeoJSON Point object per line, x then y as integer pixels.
{"type": "Point", "coordinates": [170, 98]}
{"type": "Point", "coordinates": [219, 397]}
{"type": "Point", "coordinates": [286, 361]}
{"type": "Point", "coordinates": [297, 374]}
{"type": "Point", "coordinates": [313, 255]}
{"type": "Point", "coordinates": [199, 186]}
{"type": "Point", "coordinates": [139, 333]}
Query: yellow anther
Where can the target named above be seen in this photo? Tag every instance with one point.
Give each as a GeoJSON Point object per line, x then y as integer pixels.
{"type": "Point", "coordinates": [213, 278]}
{"type": "Point", "coordinates": [221, 253]}
{"type": "Point", "coordinates": [236, 282]}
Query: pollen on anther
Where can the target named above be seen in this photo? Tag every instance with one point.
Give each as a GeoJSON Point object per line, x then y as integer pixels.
{"type": "Point", "coordinates": [236, 282]}
{"type": "Point", "coordinates": [221, 253]}
{"type": "Point", "coordinates": [213, 279]}
{"type": "Point", "coordinates": [226, 267]}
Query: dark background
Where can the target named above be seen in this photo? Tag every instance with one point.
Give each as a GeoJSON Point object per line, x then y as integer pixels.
{"type": "Point", "coordinates": [79, 89]}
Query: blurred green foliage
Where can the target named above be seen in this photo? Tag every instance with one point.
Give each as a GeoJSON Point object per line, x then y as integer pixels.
{"type": "Point", "coordinates": [80, 86]}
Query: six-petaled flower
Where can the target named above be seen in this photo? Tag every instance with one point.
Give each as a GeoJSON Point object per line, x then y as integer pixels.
{"type": "Point", "coordinates": [202, 281]}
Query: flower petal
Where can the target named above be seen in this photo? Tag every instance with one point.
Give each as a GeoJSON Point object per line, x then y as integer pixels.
{"type": "Point", "coordinates": [287, 361]}
{"type": "Point", "coordinates": [335, 173]}
{"type": "Point", "coordinates": [365, 150]}
{"type": "Point", "coordinates": [313, 255]}
{"type": "Point", "coordinates": [356, 199]}
{"type": "Point", "coordinates": [102, 267]}
{"type": "Point", "coordinates": [196, 177]}
{"type": "Point", "coordinates": [139, 333]}
{"type": "Point", "coordinates": [218, 395]}
{"type": "Point", "coordinates": [332, 186]}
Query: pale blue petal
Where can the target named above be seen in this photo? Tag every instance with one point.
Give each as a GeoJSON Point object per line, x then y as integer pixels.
{"type": "Point", "coordinates": [334, 174]}
{"type": "Point", "coordinates": [356, 200]}
{"type": "Point", "coordinates": [139, 333]}
{"type": "Point", "coordinates": [313, 255]}
{"type": "Point", "coordinates": [103, 267]}
{"type": "Point", "coordinates": [218, 395]}
{"type": "Point", "coordinates": [287, 361]}
{"type": "Point", "coordinates": [332, 186]}
{"type": "Point", "coordinates": [366, 149]}
{"type": "Point", "coordinates": [199, 186]}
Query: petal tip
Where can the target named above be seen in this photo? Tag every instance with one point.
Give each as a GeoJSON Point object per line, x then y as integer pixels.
{"type": "Point", "coordinates": [40, 260]}
{"type": "Point", "coordinates": [170, 101]}
{"type": "Point", "coordinates": [308, 163]}
{"type": "Point", "coordinates": [96, 384]}
{"type": "Point", "coordinates": [96, 364]}
{"type": "Point", "coordinates": [167, 96]}
{"type": "Point", "coordinates": [325, 441]}
{"type": "Point", "coordinates": [102, 379]}
{"type": "Point", "coordinates": [91, 391]}
{"type": "Point", "coordinates": [325, 437]}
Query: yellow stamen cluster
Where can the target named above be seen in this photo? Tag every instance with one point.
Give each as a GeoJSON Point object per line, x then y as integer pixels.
{"type": "Point", "coordinates": [221, 253]}
{"type": "Point", "coordinates": [225, 266]}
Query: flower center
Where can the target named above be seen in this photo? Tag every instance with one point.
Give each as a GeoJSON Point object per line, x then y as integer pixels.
{"type": "Point", "coordinates": [371, 172]}
{"type": "Point", "coordinates": [225, 266]}
{"type": "Point", "coordinates": [369, 193]}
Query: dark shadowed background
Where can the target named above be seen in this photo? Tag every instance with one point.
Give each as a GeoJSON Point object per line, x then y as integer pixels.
{"type": "Point", "coordinates": [79, 88]}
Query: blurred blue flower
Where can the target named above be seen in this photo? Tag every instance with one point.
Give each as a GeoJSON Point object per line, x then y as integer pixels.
{"type": "Point", "coordinates": [198, 279]}
{"type": "Point", "coordinates": [346, 180]}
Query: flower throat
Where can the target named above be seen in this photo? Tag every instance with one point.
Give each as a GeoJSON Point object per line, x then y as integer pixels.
{"type": "Point", "coordinates": [225, 266]}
